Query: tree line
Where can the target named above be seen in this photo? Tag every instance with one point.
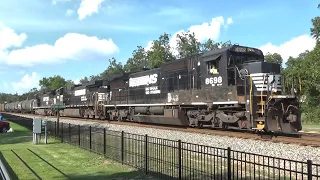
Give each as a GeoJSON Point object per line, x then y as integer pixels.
{"type": "Point", "coordinates": [303, 72]}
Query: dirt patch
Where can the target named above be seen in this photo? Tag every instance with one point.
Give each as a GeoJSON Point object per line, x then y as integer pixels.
{"type": "Point", "coordinates": [106, 162]}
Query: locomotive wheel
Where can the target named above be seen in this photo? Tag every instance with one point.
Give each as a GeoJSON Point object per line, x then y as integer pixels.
{"type": "Point", "coordinates": [200, 125]}
{"type": "Point", "coordinates": [287, 127]}
{"type": "Point", "coordinates": [243, 124]}
{"type": "Point", "coordinates": [102, 117]}
{"type": "Point", "coordinates": [272, 121]}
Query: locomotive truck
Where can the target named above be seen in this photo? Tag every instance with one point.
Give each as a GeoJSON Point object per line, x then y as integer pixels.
{"type": "Point", "coordinates": [227, 87]}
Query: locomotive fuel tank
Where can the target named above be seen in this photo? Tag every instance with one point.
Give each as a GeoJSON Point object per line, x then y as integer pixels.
{"type": "Point", "coordinates": [141, 110]}
{"type": "Point", "coordinates": [159, 110]}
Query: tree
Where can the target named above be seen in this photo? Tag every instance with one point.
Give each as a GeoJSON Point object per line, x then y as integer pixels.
{"type": "Point", "coordinates": [160, 52]}
{"type": "Point", "coordinates": [315, 30]}
{"type": "Point", "coordinates": [94, 77]}
{"type": "Point", "coordinates": [225, 44]}
{"type": "Point", "coordinates": [209, 45]}
{"type": "Point", "coordinates": [29, 95]}
{"type": "Point", "coordinates": [52, 83]}
{"type": "Point", "coordinates": [138, 61]}
{"type": "Point", "coordinates": [188, 45]}
{"type": "Point", "coordinates": [69, 83]}
{"type": "Point", "coordinates": [113, 68]}
{"type": "Point", "coordinates": [84, 80]}
{"type": "Point", "coordinates": [274, 58]}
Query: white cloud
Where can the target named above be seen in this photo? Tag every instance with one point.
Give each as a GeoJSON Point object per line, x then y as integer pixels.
{"type": "Point", "coordinates": [9, 38]}
{"type": "Point", "coordinates": [229, 21]}
{"type": "Point", "coordinates": [88, 7]}
{"type": "Point", "coordinates": [5, 85]}
{"type": "Point", "coordinates": [26, 83]}
{"type": "Point", "coordinates": [72, 46]}
{"type": "Point", "coordinates": [171, 11]}
{"type": "Point", "coordinates": [77, 81]}
{"type": "Point", "coordinates": [293, 47]}
{"type": "Point", "coordinates": [148, 47]}
{"type": "Point", "coordinates": [202, 31]}
{"type": "Point", "coordinates": [54, 2]}
{"type": "Point", "coordinates": [209, 30]}
{"type": "Point", "coordinates": [69, 12]}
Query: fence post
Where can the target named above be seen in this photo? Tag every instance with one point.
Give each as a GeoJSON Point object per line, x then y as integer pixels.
{"type": "Point", "coordinates": [104, 142]}
{"type": "Point", "coordinates": [122, 147]}
{"type": "Point", "coordinates": [180, 158]}
{"type": "Point", "coordinates": [79, 134]}
{"type": "Point", "coordinates": [55, 129]}
{"type": "Point", "coordinates": [229, 163]}
{"type": "Point", "coordinates": [90, 137]}
{"type": "Point", "coordinates": [61, 132]}
{"type": "Point", "coordinates": [69, 133]}
{"type": "Point", "coordinates": [146, 152]}
{"type": "Point", "coordinates": [309, 164]}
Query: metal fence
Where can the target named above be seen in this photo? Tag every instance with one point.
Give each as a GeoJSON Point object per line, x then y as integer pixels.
{"type": "Point", "coordinates": [4, 175]}
{"type": "Point", "coordinates": [170, 159]}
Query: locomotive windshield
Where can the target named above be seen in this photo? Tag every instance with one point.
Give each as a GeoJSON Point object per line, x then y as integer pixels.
{"type": "Point", "coordinates": [237, 58]}
{"type": "Point", "coordinates": [240, 55]}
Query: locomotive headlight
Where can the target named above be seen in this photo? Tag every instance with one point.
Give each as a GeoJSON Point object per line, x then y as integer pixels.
{"type": "Point", "coordinates": [274, 90]}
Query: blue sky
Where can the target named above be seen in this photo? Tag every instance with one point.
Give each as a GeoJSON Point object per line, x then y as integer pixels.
{"type": "Point", "coordinates": [75, 38]}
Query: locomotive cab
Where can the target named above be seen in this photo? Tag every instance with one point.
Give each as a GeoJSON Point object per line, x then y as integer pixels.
{"type": "Point", "coordinates": [254, 85]}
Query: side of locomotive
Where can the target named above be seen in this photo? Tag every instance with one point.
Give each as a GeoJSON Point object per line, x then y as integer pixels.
{"type": "Point", "coordinates": [228, 87]}
{"type": "Point", "coordinates": [231, 86]}
{"type": "Point", "coordinates": [84, 100]}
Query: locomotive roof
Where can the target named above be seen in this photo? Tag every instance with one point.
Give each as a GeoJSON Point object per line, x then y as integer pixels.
{"type": "Point", "coordinates": [116, 76]}
{"type": "Point", "coordinates": [233, 47]}
{"type": "Point", "coordinates": [147, 72]}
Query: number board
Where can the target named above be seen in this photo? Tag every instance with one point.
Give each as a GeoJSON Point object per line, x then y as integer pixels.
{"type": "Point", "coordinates": [214, 81]}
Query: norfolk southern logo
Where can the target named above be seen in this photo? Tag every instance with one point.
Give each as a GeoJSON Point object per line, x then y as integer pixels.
{"type": "Point", "coordinates": [143, 80]}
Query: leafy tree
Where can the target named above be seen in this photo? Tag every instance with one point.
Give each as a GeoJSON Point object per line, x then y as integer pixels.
{"type": "Point", "coordinates": [274, 58]}
{"type": "Point", "coordinates": [209, 45]}
{"type": "Point", "coordinates": [94, 77]}
{"type": "Point", "coordinates": [225, 44]}
{"type": "Point", "coordinates": [160, 51]}
{"type": "Point", "coordinates": [84, 80]}
{"type": "Point", "coordinates": [52, 83]}
{"type": "Point", "coordinates": [188, 45]}
{"type": "Point", "coordinates": [315, 30]}
{"type": "Point", "coordinates": [5, 97]}
{"type": "Point", "coordinates": [113, 68]}
{"type": "Point", "coordinates": [138, 61]}
{"type": "Point", "coordinates": [29, 95]}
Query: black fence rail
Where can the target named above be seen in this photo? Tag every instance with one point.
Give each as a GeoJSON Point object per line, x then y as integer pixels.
{"type": "Point", "coordinates": [170, 159]}
{"type": "Point", "coordinates": [4, 173]}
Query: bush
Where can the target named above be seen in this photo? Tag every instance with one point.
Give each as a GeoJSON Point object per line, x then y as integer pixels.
{"type": "Point", "coordinates": [311, 115]}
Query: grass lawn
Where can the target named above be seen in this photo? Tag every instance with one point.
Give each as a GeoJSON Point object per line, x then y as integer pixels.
{"type": "Point", "coordinates": [311, 127]}
{"type": "Point", "coordinates": [57, 160]}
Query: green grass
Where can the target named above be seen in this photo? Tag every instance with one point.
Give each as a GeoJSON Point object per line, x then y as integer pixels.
{"type": "Point", "coordinates": [311, 127]}
{"type": "Point", "coordinates": [57, 160]}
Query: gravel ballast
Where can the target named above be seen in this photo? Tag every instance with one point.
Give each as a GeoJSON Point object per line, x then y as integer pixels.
{"type": "Point", "coordinates": [280, 150]}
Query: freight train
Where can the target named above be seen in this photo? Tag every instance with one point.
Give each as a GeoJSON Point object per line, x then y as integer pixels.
{"type": "Point", "coordinates": [227, 87]}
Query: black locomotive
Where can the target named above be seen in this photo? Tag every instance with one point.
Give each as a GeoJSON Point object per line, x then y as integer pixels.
{"type": "Point", "coordinates": [231, 86]}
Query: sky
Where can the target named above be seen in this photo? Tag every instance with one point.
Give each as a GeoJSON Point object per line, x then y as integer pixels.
{"type": "Point", "coordinates": [75, 38]}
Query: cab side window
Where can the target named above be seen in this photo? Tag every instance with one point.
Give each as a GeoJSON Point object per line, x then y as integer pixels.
{"type": "Point", "coordinates": [213, 67]}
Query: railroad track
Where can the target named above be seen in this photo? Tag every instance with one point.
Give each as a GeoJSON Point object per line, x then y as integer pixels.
{"type": "Point", "coordinates": [301, 138]}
